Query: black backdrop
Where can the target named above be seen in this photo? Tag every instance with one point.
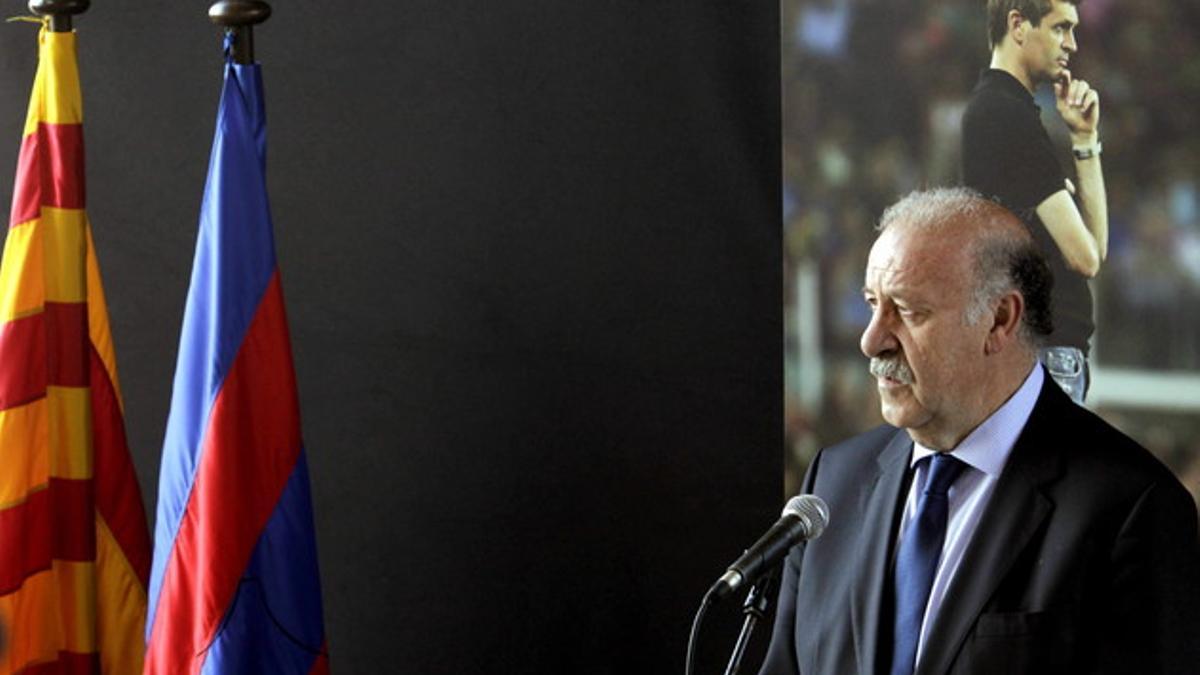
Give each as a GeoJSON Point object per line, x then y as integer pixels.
{"type": "Point", "coordinates": [531, 256]}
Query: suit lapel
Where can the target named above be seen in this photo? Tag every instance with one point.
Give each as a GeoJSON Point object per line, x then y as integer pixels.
{"type": "Point", "coordinates": [878, 517]}
{"type": "Point", "coordinates": [1016, 509]}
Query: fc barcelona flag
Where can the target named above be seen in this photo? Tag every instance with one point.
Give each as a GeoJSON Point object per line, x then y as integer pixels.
{"type": "Point", "coordinates": [74, 550]}
{"type": "Point", "coordinates": [234, 586]}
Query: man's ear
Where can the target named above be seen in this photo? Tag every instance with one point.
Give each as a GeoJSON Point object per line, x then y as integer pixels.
{"type": "Point", "coordinates": [1017, 26]}
{"type": "Point", "coordinates": [1006, 323]}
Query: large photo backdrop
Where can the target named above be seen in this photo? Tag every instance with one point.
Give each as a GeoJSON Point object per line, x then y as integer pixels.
{"type": "Point", "coordinates": [873, 99]}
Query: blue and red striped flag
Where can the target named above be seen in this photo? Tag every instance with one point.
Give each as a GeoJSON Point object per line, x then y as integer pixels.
{"type": "Point", "coordinates": [234, 585]}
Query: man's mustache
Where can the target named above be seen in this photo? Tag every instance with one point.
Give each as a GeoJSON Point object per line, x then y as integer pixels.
{"type": "Point", "coordinates": [892, 367]}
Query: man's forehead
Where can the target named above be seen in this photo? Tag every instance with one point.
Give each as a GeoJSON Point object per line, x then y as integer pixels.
{"type": "Point", "coordinates": [883, 260]}
{"type": "Point", "coordinates": [892, 272]}
{"type": "Point", "coordinates": [914, 259]}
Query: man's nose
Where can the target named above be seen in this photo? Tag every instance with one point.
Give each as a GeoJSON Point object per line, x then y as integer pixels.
{"type": "Point", "coordinates": [1069, 42]}
{"type": "Point", "coordinates": [878, 338]}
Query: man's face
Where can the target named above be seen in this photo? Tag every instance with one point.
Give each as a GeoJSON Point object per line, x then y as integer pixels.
{"type": "Point", "coordinates": [1049, 45]}
{"type": "Point", "coordinates": [928, 363]}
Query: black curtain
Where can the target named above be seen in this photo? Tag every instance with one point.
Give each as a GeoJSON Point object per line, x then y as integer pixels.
{"type": "Point", "coordinates": [531, 257]}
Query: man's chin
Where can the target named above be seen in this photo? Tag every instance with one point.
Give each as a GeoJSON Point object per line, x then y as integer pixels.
{"type": "Point", "coordinates": [1057, 74]}
{"type": "Point", "coordinates": [894, 417]}
{"type": "Point", "coordinates": [899, 410]}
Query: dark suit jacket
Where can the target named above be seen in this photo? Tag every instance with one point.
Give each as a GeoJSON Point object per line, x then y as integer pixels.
{"type": "Point", "coordinates": [1086, 560]}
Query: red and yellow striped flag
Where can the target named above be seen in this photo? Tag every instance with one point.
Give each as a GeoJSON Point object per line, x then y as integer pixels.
{"type": "Point", "coordinates": [74, 548]}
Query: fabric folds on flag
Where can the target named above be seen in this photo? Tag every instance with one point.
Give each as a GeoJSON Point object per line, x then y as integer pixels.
{"type": "Point", "coordinates": [74, 547]}
{"type": "Point", "coordinates": [234, 585]}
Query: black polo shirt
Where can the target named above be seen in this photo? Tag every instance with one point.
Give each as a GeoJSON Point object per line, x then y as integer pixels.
{"type": "Point", "coordinates": [1007, 154]}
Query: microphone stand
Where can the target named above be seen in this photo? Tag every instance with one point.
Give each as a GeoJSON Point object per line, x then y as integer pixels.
{"type": "Point", "coordinates": [755, 608]}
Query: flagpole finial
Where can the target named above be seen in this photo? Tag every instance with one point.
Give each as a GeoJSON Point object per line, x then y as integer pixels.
{"type": "Point", "coordinates": [59, 11]}
{"type": "Point", "coordinates": [239, 12]}
{"type": "Point", "coordinates": [239, 17]}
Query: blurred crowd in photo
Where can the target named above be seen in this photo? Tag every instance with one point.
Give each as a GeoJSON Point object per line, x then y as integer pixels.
{"type": "Point", "coordinates": [873, 94]}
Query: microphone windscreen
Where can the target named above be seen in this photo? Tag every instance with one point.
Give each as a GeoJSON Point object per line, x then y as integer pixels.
{"type": "Point", "coordinates": [811, 510]}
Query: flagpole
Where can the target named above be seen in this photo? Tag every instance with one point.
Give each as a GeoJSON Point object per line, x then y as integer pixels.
{"type": "Point", "coordinates": [59, 11]}
{"type": "Point", "coordinates": [239, 17]}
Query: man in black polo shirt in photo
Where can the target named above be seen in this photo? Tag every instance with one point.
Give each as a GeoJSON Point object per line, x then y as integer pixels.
{"type": "Point", "coordinates": [1007, 154]}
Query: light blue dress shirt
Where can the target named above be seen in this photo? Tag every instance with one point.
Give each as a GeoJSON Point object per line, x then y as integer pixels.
{"type": "Point", "coordinates": [985, 451]}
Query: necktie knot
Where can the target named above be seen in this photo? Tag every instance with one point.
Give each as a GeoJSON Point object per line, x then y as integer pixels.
{"type": "Point", "coordinates": [944, 469]}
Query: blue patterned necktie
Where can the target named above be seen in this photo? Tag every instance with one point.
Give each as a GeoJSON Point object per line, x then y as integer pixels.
{"type": "Point", "coordinates": [916, 562]}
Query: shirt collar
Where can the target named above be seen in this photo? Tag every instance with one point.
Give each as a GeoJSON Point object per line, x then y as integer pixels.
{"type": "Point", "coordinates": [987, 447]}
{"type": "Point", "coordinates": [1007, 82]}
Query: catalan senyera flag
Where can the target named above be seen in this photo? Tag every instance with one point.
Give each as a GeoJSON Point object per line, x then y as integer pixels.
{"type": "Point", "coordinates": [234, 586]}
{"type": "Point", "coordinates": [74, 548]}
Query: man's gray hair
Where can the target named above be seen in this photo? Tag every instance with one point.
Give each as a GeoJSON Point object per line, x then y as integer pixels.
{"type": "Point", "coordinates": [1005, 258]}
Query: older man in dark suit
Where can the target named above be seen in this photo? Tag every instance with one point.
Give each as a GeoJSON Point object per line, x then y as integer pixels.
{"type": "Point", "coordinates": [992, 526]}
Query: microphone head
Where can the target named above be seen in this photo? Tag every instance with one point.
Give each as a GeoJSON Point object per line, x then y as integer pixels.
{"type": "Point", "coordinates": [811, 510]}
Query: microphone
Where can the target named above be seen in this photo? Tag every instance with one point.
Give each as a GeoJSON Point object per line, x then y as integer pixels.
{"type": "Point", "coordinates": [804, 518]}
